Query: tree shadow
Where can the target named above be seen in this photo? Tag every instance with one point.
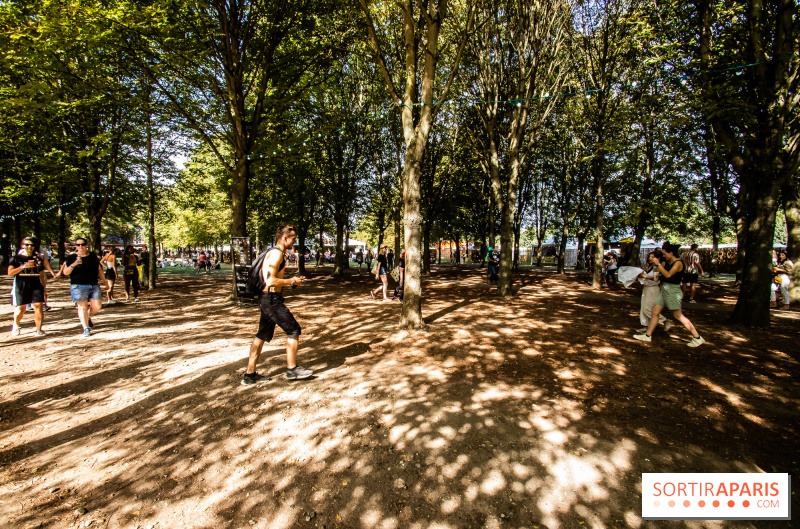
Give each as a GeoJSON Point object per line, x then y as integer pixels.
{"type": "Point", "coordinates": [534, 411]}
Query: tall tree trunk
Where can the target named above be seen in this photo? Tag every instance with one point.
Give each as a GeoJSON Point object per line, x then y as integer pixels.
{"type": "Point", "coordinates": [791, 209]}
{"type": "Point", "coordinates": [457, 257]}
{"type": "Point", "coordinates": [599, 213]}
{"type": "Point", "coordinates": [644, 214]}
{"type": "Point", "coordinates": [301, 256]}
{"type": "Point", "coordinates": [752, 307]}
{"type": "Point", "coordinates": [742, 229]}
{"type": "Point", "coordinates": [426, 244]}
{"type": "Point", "coordinates": [152, 269]}
{"type": "Point", "coordinates": [562, 248]}
{"type": "Point", "coordinates": [412, 296]}
{"type": "Point", "coordinates": [338, 259]}
{"type": "Point", "coordinates": [715, 229]}
{"type": "Point", "coordinates": [397, 231]}
{"type": "Point", "coordinates": [240, 192]}
{"type": "Point", "coordinates": [492, 221]}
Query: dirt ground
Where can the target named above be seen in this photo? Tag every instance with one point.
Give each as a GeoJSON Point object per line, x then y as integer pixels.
{"type": "Point", "coordinates": [538, 411]}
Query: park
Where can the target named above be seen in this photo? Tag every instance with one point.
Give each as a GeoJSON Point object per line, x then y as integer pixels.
{"type": "Point", "coordinates": [536, 183]}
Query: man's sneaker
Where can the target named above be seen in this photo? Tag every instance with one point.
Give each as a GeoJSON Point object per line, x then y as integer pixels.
{"type": "Point", "coordinates": [29, 306]}
{"type": "Point", "coordinates": [642, 337]}
{"type": "Point", "coordinates": [87, 332]}
{"type": "Point", "coordinates": [47, 307]}
{"type": "Point", "coordinates": [372, 293]}
{"type": "Point", "coordinates": [667, 325]}
{"type": "Point", "coordinates": [253, 378]}
{"type": "Point", "coordinates": [695, 342]}
{"type": "Point", "coordinates": [692, 301]}
{"type": "Point", "coordinates": [642, 330]}
{"type": "Point", "coordinates": [40, 332]}
{"type": "Point", "coordinates": [136, 300]}
{"type": "Point", "coordinates": [298, 373]}
{"type": "Point", "coordinates": [15, 331]}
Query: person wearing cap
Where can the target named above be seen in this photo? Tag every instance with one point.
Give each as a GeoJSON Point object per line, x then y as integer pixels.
{"type": "Point", "coordinates": [494, 263]}
{"type": "Point", "coordinates": [671, 273]}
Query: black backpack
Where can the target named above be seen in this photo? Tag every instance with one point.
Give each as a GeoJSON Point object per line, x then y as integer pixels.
{"type": "Point", "coordinates": [255, 281]}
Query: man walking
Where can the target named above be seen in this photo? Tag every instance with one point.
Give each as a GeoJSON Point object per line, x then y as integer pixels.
{"type": "Point", "coordinates": [25, 267]}
{"type": "Point", "coordinates": [691, 262]}
{"type": "Point", "coordinates": [274, 312]}
{"type": "Point", "coordinates": [83, 269]}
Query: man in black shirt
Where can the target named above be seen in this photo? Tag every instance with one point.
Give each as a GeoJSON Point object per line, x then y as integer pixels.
{"type": "Point", "coordinates": [83, 268]}
{"type": "Point", "coordinates": [25, 267]}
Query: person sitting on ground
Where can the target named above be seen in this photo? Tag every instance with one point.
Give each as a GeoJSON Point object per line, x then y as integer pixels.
{"type": "Point", "coordinates": [671, 274]}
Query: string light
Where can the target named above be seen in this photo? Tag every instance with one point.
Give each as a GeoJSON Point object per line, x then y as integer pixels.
{"type": "Point", "coordinates": [45, 210]}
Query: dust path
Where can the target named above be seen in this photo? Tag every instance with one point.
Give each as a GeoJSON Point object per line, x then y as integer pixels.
{"type": "Point", "coordinates": [538, 411]}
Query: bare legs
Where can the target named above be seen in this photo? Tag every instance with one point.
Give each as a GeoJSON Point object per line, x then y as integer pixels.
{"type": "Point", "coordinates": [258, 344]}
{"type": "Point", "coordinates": [384, 287]}
{"type": "Point", "coordinates": [85, 312]}
{"type": "Point", "coordinates": [677, 314]}
{"type": "Point", "coordinates": [38, 315]}
{"type": "Point", "coordinates": [110, 289]}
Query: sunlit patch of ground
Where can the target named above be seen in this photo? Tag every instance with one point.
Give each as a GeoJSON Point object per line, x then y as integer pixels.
{"type": "Point", "coordinates": [538, 411]}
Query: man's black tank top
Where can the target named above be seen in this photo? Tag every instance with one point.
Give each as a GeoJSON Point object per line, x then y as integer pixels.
{"type": "Point", "coordinates": [675, 279]}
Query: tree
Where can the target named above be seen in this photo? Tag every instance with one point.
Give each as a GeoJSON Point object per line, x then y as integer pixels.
{"type": "Point", "coordinates": [519, 59]}
{"type": "Point", "coordinates": [421, 30]}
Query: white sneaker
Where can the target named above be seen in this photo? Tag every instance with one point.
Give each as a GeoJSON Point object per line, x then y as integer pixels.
{"type": "Point", "coordinates": [643, 337]}
{"type": "Point", "coordinates": [695, 342]}
{"type": "Point", "coordinates": [15, 331]}
{"type": "Point", "coordinates": [667, 325]}
{"type": "Point", "coordinates": [40, 332]}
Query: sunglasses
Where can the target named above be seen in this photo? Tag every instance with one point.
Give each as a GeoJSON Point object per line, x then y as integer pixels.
{"type": "Point", "coordinates": [28, 244]}
{"type": "Point", "coordinates": [80, 244]}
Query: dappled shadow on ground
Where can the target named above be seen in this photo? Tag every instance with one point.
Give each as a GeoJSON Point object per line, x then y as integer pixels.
{"type": "Point", "coordinates": [539, 411]}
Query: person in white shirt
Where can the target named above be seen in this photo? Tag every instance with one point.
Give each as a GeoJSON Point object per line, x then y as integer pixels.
{"type": "Point", "coordinates": [652, 287]}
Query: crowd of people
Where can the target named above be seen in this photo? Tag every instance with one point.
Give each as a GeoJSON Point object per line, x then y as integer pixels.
{"type": "Point", "coordinates": [86, 272]}
{"type": "Point", "coordinates": [667, 278]}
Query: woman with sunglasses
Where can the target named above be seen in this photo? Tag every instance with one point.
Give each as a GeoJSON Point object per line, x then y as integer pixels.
{"type": "Point", "coordinates": [84, 272]}
{"type": "Point", "coordinates": [25, 268]}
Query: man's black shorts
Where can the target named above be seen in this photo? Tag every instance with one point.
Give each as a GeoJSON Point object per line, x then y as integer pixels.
{"type": "Point", "coordinates": [27, 290]}
{"type": "Point", "coordinates": [691, 278]}
{"type": "Point", "coordinates": [274, 312]}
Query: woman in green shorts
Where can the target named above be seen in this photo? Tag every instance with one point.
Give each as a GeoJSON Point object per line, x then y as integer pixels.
{"type": "Point", "coordinates": [671, 272]}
